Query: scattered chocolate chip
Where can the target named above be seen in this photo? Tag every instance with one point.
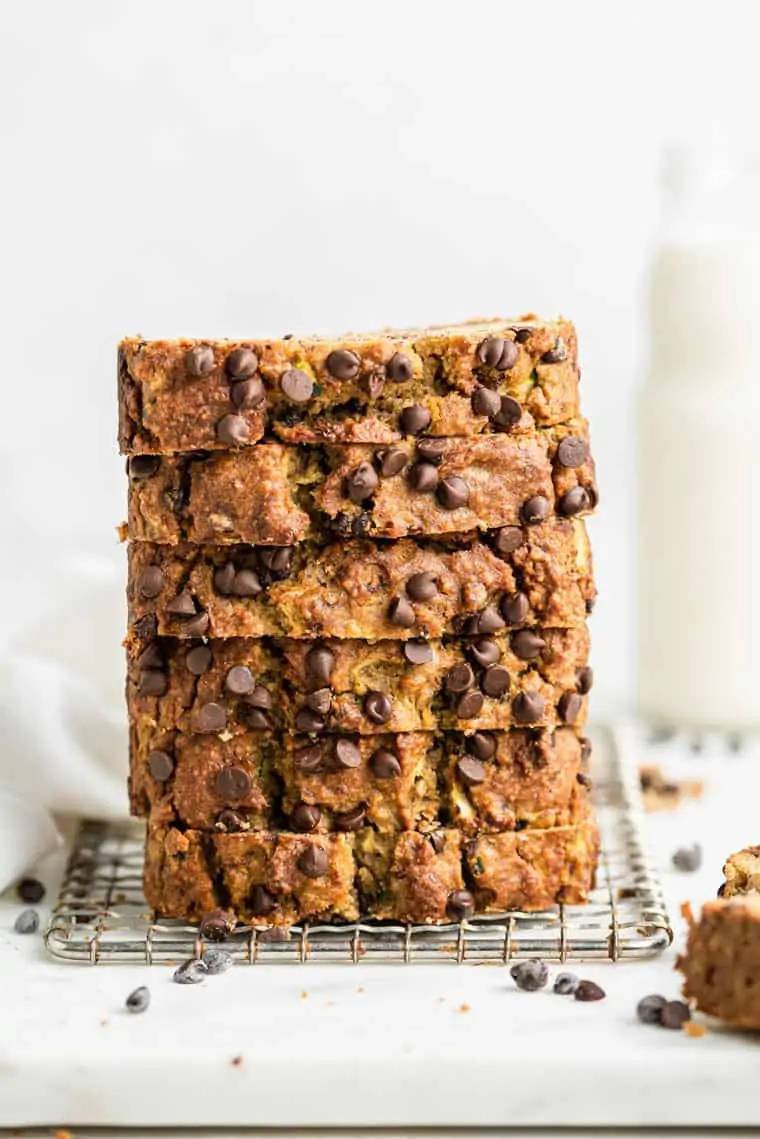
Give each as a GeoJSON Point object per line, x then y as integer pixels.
{"type": "Point", "coordinates": [232, 822]}
{"type": "Point", "coordinates": [198, 660]}
{"type": "Point", "coordinates": [150, 582]}
{"type": "Point", "coordinates": [459, 678]}
{"type": "Point", "coordinates": [460, 905]}
{"type": "Point", "coordinates": [28, 921]}
{"type": "Point", "coordinates": [199, 361]}
{"type": "Point", "coordinates": [143, 466]}
{"type": "Point", "coordinates": [401, 613]}
{"type": "Point", "coordinates": [470, 770]}
{"type": "Point", "coordinates": [515, 609]}
{"type": "Point", "coordinates": [423, 477]}
{"type": "Point", "coordinates": [556, 354]}
{"type": "Point", "coordinates": [391, 461]}
{"type": "Point", "coordinates": [569, 707]}
{"type": "Point", "coordinates": [437, 840]}
{"type": "Point", "coordinates": [152, 682]}
{"type": "Point", "coordinates": [486, 402]}
{"type": "Point", "coordinates": [30, 890]}
{"type": "Point", "coordinates": [470, 705]}
{"type": "Point", "coordinates": [418, 652]}
{"type": "Point", "coordinates": [351, 820]}
{"type": "Point", "coordinates": [343, 364]}
{"type": "Point", "coordinates": [509, 413]}
{"type": "Point", "coordinates": [536, 509]}
{"type": "Point", "coordinates": [399, 368]}
{"type": "Point", "coordinates": [495, 680]}
{"type": "Point", "coordinates": [523, 334]}
{"type": "Point", "coordinates": [309, 721]}
{"type": "Point", "coordinates": [181, 606]}
{"type": "Point", "coordinates": [508, 539]}
{"type": "Point", "coordinates": [377, 707]}
{"type": "Point", "coordinates": [239, 681]}
{"type": "Point", "coordinates": [528, 707]}
{"type": "Point", "coordinates": [241, 363]}
{"type": "Point", "coordinates": [217, 961]}
{"type": "Point", "coordinates": [431, 450]}
{"type": "Point", "coordinates": [233, 783]}
{"type": "Point", "coordinates": [305, 817]}
{"type": "Point", "coordinates": [313, 862]}
{"type": "Point", "coordinates": [211, 718]}
{"type": "Point", "coordinates": [160, 765]}
{"type": "Point", "coordinates": [319, 663]}
{"type": "Point", "coordinates": [453, 493]}
{"type": "Point", "coordinates": [688, 859]}
{"type": "Point", "coordinates": [422, 586]}
{"type": "Point", "coordinates": [530, 976]}
{"type": "Point", "coordinates": [527, 645]}
{"type": "Point", "coordinates": [216, 925]}
{"type": "Point", "coordinates": [589, 991]}
{"type": "Point", "coordinates": [190, 972]}
{"type": "Point", "coordinates": [320, 701]}
{"type": "Point", "coordinates": [262, 902]}
{"type": "Point", "coordinates": [414, 419]}
{"type": "Point", "coordinates": [347, 754]}
{"type": "Point", "coordinates": [223, 578]}
{"type": "Point", "coordinates": [498, 352]}
{"type": "Point", "coordinates": [488, 621]}
{"type": "Point", "coordinates": [362, 482]}
{"type": "Point", "coordinates": [572, 452]}
{"type": "Point", "coordinates": [247, 394]}
{"type": "Point", "coordinates": [574, 502]}
{"type": "Point", "coordinates": [296, 385]}
{"type": "Point", "coordinates": [590, 603]}
{"type": "Point", "coordinates": [245, 584]}
{"type": "Point", "coordinates": [566, 984]}
{"type": "Point", "coordinates": [649, 1009]}
{"type": "Point", "coordinates": [308, 759]}
{"type": "Point", "coordinates": [254, 718]}
{"type": "Point", "coordinates": [485, 651]}
{"type": "Point", "coordinates": [138, 1000]}
{"type": "Point", "coordinates": [233, 430]}
{"type": "Point", "coordinates": [196, 626]}
{"type": "Point", "coordinates": [384, 764]}
{"type": "Point", "coordinates": [481, 744]}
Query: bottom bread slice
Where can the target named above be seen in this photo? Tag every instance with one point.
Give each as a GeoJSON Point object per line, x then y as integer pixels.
{"type": "Point", "coordinates": [278, 878]}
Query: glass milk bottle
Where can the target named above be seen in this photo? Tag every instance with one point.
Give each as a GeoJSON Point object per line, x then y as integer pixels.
{"type": "Point", "coordinates": [698, 453]}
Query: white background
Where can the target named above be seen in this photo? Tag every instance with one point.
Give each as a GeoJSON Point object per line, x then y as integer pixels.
{"type": "Point", "coordinates": [242, 168]}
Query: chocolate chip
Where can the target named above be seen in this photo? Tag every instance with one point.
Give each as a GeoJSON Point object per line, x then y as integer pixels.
{"type": "Point", "coordinates": [584, 780]}
{"type": "Point", "coordinates": [199, 361]}
{"type": "Point", "coordinates": [245, 584]}
{"type": "Point", "coordinates": [470, 705]}
{"type": "Point", "coordinates": [241, 363]}
{"type": "Point", "coordinates": [509, 413]}
{"type": "Point", "coordinates": [362, 482]}
{"type": "Point", "coordinates": [313, 862]}
{"type": "Point", "coordinates": [308, 721]}
{"type": "Point", "coordinates": [422, 586]}
{"type": "Point", "coordinates": [320, 701]}
{"type": "Point", "coordinates": [497, 352]}
{"type": "Point", "coordinates": [145, 626]}
{"type": "Point", "coordinates": [481, 744]}
{"type": "Point", "coordinates": [523, 334]}
{"type": "Point", "coordinates": [224, 578]}
{"type": "Point", "coordinates": [399, 368]}
{"type": "Point", "coordinates": [160, 765]}
{"type": "Point", "coordinates": [305, 817]}
{"type": "Point", "coordinates": [515, 609]}
{"type": "Point", "coordinates": [217, 961]}
{"type": "Point", "coordinates": [143, 466]}
{"type": "Point", "coordinates": [649, 1009]}
{"type": "Point", "coordinates": [584, 679]}
{"type": "Point", "coordinates": [418, 652]}
{"type": "Point", "coordinates": [181, 606]}
{"type": "Point", "coordinates": [574, 502]}
{"type": "Point", "coordinates": [152, 682]}
{"type": "Point", "coordinates": [277, 559]}
{"type": "Point", "coordinates": [572, 452]}
{"type": "Point", "coordinates": [590, 991]}
{"type": "Point", "coordinates": [319, 663]}
{"type": "Point", "coordinates": [566, 984]}
{"type": "Point", "coordinates": [247, 394]}
{"type": "Point", "coordinates": [508, 539]}
{"type": "Point", "coordinates": [437, 840]}
{"type": "Point", "coordinates": [485, 651]}
{"type": "Point", "coordinates": [569, 707]}
{"type": "Point", "coordinates": [688, 859]}
{"type": "Point", "coordinates": [262, 902]}
{"type": "Point", "coordinates": [351, 820]}
{"type": "Point", "coordinates": [198, 660]}
{"type": "Point", "coordinates": [216, 925]}
{"type": "Point", "coordinates": [431, 450]}
{"type": "Point", "coordinates": [536, 509]}
{"type": "Point", "coordinates": [453, 493]}
{"type": "Point", "coordinates": [530, 976]}
{"type": "Point", "coordinates": [372, 382]}
{"type": "Point", "coordinates": [414, 419]}
{"type": "Point", "coordinates": [138, 1000]}
{"type": "Point", "coordinates": [28, 921]}
{"type": "Point", "coordinates": [231, 822]}
{"type": "Point", "coordinates": [590, 603]}
{"type": "Point", "coordinates": [459, 678]}
{"type": "Point", "coordinates": [377, 707]}
{"type": "Point", "coordinates": [150, 582]}
{"type": "Point", "coordinates": [259, 698]}
{"type": "Point", "coordinates": [151, 657]}
{"type": "Point", "coordinates": [495, 680]}
{"type": "Point", "coordinates": [233, 783]}
{"type": "Point", "coordinates": [190, 972]}
{"type": "Point", "coordinates": [401, 613]}
{"type": "Point", "coordinates": [211, 718]}
{"type": "Point", "coordinates": [556, 354]}
{"type": "Point", "coordinates": [423, 477]}
{"type": "Point", "coordinates": [233, 430]}
{"type": "Point", "coordinates": [391, 461]}
{"type": "Point", "coordinates": [460, 905]}
{"type": "Point", "coordinates": [308, 759]}
{"type": "Point", "coordinates": [526, 645]}
{"type": "Point", "coordinates": [296, 385]}
{"type": "Point", "coordinates": [528, 707]}
{"type": "Point", "coordinates": [347, 754]}
{"type": "Point", "coordinates": [342, 364]}
{"type": "Point", "coordinates": [197, 626]}
{"type": "Point", "coordinates": [239, 681]}
{"type": "Point", "coordinates": [30, 890]}
{"type": "Point", "coordinates": [486, 402]}
{"type": "Point", "coordinates": [384, 764]}
{"type": "Point", "coordinates": [470, 770]}
{"type": "Point", "coordinates": [488, 621]}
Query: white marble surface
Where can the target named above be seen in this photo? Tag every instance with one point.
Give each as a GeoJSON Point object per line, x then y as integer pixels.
{"type": "Point", "coordinates": [387, 1046]}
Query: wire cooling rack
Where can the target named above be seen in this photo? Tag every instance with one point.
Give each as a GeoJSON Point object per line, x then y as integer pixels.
{"type": "Point", "coordinates": [101, 916]}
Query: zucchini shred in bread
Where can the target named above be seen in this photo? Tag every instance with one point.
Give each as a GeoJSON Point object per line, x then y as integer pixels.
{"type": "Point", "coordinates": [357, 660]}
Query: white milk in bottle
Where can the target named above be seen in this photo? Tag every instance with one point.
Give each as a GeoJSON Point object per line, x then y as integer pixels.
{"type": "Point", "coordinates": [699, 452]}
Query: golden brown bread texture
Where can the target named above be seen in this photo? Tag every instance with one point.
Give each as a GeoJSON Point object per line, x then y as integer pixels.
{"type": "Point", "coordinates": [354, 686]}
{"type": "Point", "coordinates": [179, 395]}
{"type": "Point", "coordinates": [353, 589]}
{"type": "Point", "coordinates": [721, 960]}
{"type": "Point", "coordinates": [742, 873]}
{"type": "Point", "coordinates": [278, 494]}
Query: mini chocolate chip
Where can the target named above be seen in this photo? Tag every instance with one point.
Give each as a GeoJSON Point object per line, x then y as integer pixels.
{"type": "Point", "coordinates": [584, 679]}
{"type": "Point", "coordinates": [495, 680]}
{"type": "Point", "coordinates": [319, 663]}
{"type": "Point", "coordinates": [217, 961]}
{"type": "Point", "coordinates": [391, 461]}
{"type": "Point", "coordinates": [489, 621]}
{"type": "Point", "coordinates": [233, 783]}
{"type": "Point", "coordinates": [28, 921]}
{"type": "Point", "coordinates": [181, 606]}
{"type": "Point", "coordinates": [233, 430]}
{"type": "Point", "coordinates": [308, 721]}
{"type": "Point", "coordinates": [574, 502]}
{"type": "Point", "coordinates": [152, 682]}
{"type": "Point", "coordinates": [423, 477]}
{"type": "Point", "coordinates": [254, 717]}
{"type": "Point", "coordinates": [688, 859]}
{"type": "Point", "coordinates": [485, 651]}
{"type": "Point", "coordinates": [437, 840]}
{"type": "Point", "coordinates": [224, 578]}
{"type": "Point", "coordinates": [150, 582]}
{"type": "Point", "coordinates": [572, 452]}
{"type": "Point", "coordinates": [401, 613]}
{"type": "Point", "coordinates": [143, 466]}
{"type": "Point", "coordinates": [196, 626]}
{"type": "Point", "coordinates": [276, 559]}
{"type": "Point", "coordinates": [590, 991]}
{"type": "Point", "coordinates": [453, 493]}
{"type": "Point", "coordinates": [199, 361]}
{"type": "Point", "coordinates": [523, 334]}
{"type": "Point", "coordinates": [198, 660]}
{"type": "Point", "coordinates": [160, 765]}
{"type": "Point", "coordinates": [422, 586]}
{"type": "Point", "coordinates": [247, 394]}
{"type": "Point", "coordinates": [145, 626]}
{"type": "Point", "coordinates": [308, 759]}
{"type": "Point", "coordinates": [362, 482]}
{"type": "Point", "coordinates": [418, 652]}
{"type": "Point", "coordinates": [481, 744]}
{"type": "Point", "coordinates": [190, 972]}
{"type": "Point", "coordinates": [399, 368]}
{"type": "Point", "coordinates": [212, 717]}
{"type": "Point", "coordinates": [362, 524]}
{"type": "Point", "coordinates": [347, 754]}
{"type": "Point", "coordinates": [298, 386]}
{"type": "Point", "coordinates": [586, 748]}
{"type": "Point", "coordinates": [351, 820]}
{"type": "Point", "coordinates": [459, 678]}
{"type": "Point", "coordinates": [313, 862]}
{"type": "Point", "coordinates": [414, 419]}
{"type": "Point", "coordinates": [372, 382]}
{"type": "Point", "coordinates": [470, 705]}
{"type": "Point", "coordinates": [569, 707]}
{"type": "Point", "coordinates": [649, 1009]}
{"type": "Point", "coordinates": [259, 698]}
{"type": "Point", "coordinates": [431, 450]}
{"type": "Point", "coordinates": [515, 609]}
{"type": "Point", "coordinates": [232, 822]}
{"type": "Point", "coordinates": [530, 976]}
{"type": "Point", "coordinates": [262, 902]}
{"type": "Point", "coordinates": [498, 352]}
{"type": "Point", "coordinates": [556, 354]}
{"type": "Point", "coordinates": [305, 817]}
{"type": "Point", "coordinates": [486, 402]}
{"type": "Point", "coordinates": [151, 657]}
{"type": "Point", "coordinates": [527, 645]}
{"type": "Point", "coordinates": [245, 584]}
{"type": "Point", "coordinates": [239, 681]}
{"type": "Point", "coordinates": [377, 707]}
{"type": "Point", "coordinates": [508, 539]}
{"type": "Point", "coordinates": [536, 509]}
{"type": "Point", "coordinates": [590, 603]}
{"type": "Point", "coordinates": [584, 780]}
{"type": "Point", "coordinates": [216, 925]}
{"type": "Point", "coordinates": [470, 770]}
{"type": "Point", "coordinates": [384, 764]}
{"type": "Point", "coordinates": [528, 707]}
{"type": "Point", "coordinates": [241, 363]}
{"type": "Point", "coordinates": [342, 364]}
{"type": "Point", "coordinates": [509, 413]}
{"type": "Point", "coordinates": [460, 905]}
{"type": "Point", "coordinates": [138, 1000]}
{"type": "Point", "coordinates": [320, 701]}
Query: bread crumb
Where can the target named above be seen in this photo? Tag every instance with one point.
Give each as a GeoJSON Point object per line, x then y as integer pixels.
{"type": "Point", "coordinates": [464, 1007]}
{"type": "Point", "coordinates": [360, 989]}
{"type": "Point", "coordinates": [304, 994]}
{"type": "Point", "coordinates": [691, 1028]}
{"type": "Point", "coordinates": [686, 912]}
{"type": "Point", "coordinates": [104, 1022]}
{"type": "Point", "coordinates": [237, 1061]}
{"type": "Point", "coordinates": [661, 794]}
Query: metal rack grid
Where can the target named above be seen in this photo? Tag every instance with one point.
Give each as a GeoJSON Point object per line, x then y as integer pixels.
{"type": "Point", "coordinates": [101, 915]}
